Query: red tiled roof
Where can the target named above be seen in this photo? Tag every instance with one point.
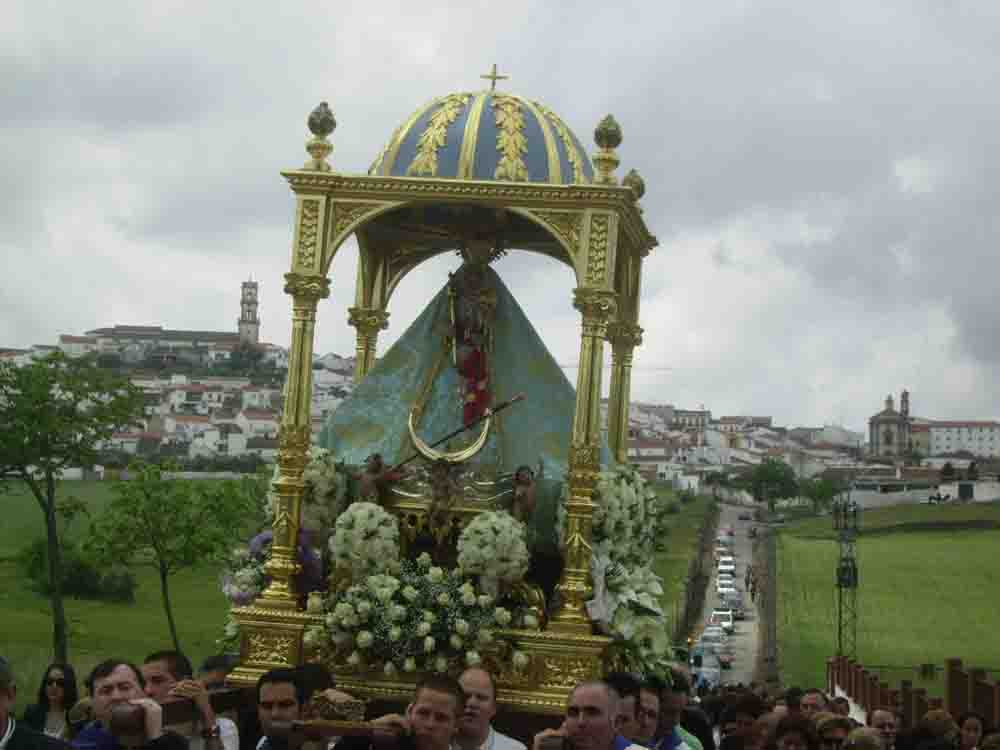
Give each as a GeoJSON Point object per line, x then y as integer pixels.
{"type": "Point", "coordinates": [67, 339]}
{"type": "Point", "coordinates": [964, 424]}
{"type": "Point", "coordinates": [190, 418]}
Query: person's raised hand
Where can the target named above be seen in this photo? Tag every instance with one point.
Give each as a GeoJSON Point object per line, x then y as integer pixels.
{"type": "Point", "coordinates": [153, 717]}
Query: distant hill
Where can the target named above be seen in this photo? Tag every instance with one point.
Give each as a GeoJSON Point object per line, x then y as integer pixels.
{"type": "Point", "coordinates": [335, 363]}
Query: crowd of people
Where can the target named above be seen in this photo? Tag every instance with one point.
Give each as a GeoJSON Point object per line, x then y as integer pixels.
{"type": "Point", "coordinates": [620, 712]}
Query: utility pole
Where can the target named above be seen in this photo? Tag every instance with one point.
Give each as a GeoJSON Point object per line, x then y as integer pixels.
{"type": "Point", "coordinates": [845, 523]}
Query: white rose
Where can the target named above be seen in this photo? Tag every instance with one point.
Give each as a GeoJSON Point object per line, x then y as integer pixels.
{"type": "Point", "coordinates": [455, 641]}
{"type": "Point", "coordinates": [440, 664]}
{"type": "Point", "coordinates": [410, 593]}
{"type": "Point", "coordinates": [410, 665]}
{"type": "Point", "coordinates": [395, 633]}
{"type": "Point", "coordinates": [429, 644]}
{"type": "Point", "coordinates": [501, 615]}
{"type": "Point", "coordinates": [397, 613]}
{"type": "Point", "coordinates": [430, 616]}
{"type": "Point", "coordinates": [461, 627]}
{"type": "Point", "coordinates": [354, 659]}
{"type": "Point", "coordinates": [364, 639]}
{"type": "Point", "coordinates": [423, 628]}
{"type": "Point", "coordinates": [468, 598]}
{"type": "Point", "coordinates": [389, 669]}
{"type": "Point", "coordinates": [530, 621]}
{"type": "Point", "coordinates": [314, 605]}
{"type": "Point", "coordinates": [435, 575]}
{"type": "Point", "coordinates": [443, 599]}
{"type": "Point", "coordinates": [520, 660]}
{"type": "Point", "coordinates": [364, 608]}
{"type": "Point", "coordinates": [424, 561]}
{"type": "Point", "coordinates": [485, 601]}
{"type": "Point", "coordinates": [472, 659]}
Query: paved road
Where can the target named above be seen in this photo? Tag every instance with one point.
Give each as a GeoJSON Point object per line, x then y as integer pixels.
{"type": "Point", "coordinates": [744, 640]}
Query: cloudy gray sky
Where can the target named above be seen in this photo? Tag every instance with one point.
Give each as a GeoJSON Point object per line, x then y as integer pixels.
{"type": "Point", "coordinates": [822, 176]}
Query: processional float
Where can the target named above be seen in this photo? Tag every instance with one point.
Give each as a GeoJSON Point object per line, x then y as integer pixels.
{"type": "Point", "coordinates": [482, 174]}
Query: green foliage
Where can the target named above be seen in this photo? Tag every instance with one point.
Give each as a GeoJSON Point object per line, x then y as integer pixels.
{"type": "Point", "coordinates": [820, 492]}
{"type": "Point", "coordinates": [771, 480]}
{"type": "Point", "coordinates": [54, 415]}
{"type": "Point", "coordinates": [948, 472]}
{"type": "Point", "coordinates": [672, 509]}
{"type": "Point", "coordinates": [170, 524]}
{"type": "Point", "coordinates": [972, 473]}
{"type": "Point", "coordinates": [81, 575]}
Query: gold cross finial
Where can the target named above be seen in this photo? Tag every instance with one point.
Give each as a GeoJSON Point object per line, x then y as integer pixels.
{"type": "Point", "coordinates": [492, 77]}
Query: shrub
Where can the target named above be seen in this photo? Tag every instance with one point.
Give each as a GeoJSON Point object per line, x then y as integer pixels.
{"type": "Point", "coordinates": [673, 508]}
{"type": "Point", "coordinates": [686, 496]}
{"type": "Point", "coordinates": [81, 577]}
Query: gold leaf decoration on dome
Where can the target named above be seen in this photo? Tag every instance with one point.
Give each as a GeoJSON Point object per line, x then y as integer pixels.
{"type": "Point", "coordinates": [579, 176]}
{"type": "Point", "coordinates": [511, 143]}
{"type": "Point", "coordinates": [435, 135]}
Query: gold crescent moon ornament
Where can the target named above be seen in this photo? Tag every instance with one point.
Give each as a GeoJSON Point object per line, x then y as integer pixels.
{"type": "Point", "coordinates": [455, 457]}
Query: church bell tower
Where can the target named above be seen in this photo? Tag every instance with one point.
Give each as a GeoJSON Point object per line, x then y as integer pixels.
{"type": "Point", "coordinates": [249, 323]}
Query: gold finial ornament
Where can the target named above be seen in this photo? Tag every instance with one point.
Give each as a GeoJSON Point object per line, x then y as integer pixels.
{"type": "Point", "coordinates": [321, 124]}
{"type": "Point", "coordinates": [608, 137]}
{"type": "Point", "coordinates": [634, 181]}
{"type": "Point", "coordinates": [493, 77]}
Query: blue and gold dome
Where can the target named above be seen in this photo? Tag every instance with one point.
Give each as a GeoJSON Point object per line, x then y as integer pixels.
{"type": "Point", "coordinates": [488, 135]}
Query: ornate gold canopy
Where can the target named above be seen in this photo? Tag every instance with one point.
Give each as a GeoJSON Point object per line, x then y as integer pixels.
{"type": "Point", "coordinates": [585, 219]}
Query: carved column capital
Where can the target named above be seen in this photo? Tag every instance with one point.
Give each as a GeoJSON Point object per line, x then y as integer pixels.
{"type": "Point", "coordinates": [626, 335]}
{"type": "Point", "coordinates": [307, 288]}
{"type": "Point", "coordinates": [598, 307]}
{"type": "Point", "coordinates": [368, 320]}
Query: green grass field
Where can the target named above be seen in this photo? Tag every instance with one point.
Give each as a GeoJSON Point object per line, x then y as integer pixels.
{"type": "Point", "coordinates": [924, 596]}
{"type": "Point", "coordinates": [682, 540]}
{"type": "Point", "coordinates": [97, 629]}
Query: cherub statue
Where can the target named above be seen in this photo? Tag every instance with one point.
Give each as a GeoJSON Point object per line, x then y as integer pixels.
{"type": "Point", "coordinates": [376, 478]}
{"type": "Point", "coordinates": [444, 490]}
{"type": "Point", "coordinates": [523, 501]}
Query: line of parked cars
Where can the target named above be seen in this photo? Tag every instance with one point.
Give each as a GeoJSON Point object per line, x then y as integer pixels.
{"type": "Point", "coordinates": [713, 651]}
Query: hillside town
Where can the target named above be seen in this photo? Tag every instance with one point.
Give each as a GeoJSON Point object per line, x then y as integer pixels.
{"type": "Point", "coordinates": [218, 394]}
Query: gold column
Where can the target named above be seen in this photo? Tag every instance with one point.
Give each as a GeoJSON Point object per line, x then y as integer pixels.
{"type": "Point", "coordinates": [597, 307]}
{"type": "Point", "coordinates": [369, 321]}
{"type": "Point", "coordinates": [624, 337]}
{"type": "Point", "coordinates": [271, 628]}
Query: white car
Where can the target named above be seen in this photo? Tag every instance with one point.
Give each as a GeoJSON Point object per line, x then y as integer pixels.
{"type": "Point", "coordinates": [727, 569]}
{"type": "Point", "coordinates": [724, 590]}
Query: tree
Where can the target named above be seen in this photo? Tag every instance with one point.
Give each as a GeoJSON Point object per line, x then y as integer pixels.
{"type": "Point", "coordinates": [771, 480]}
{"type": "Point", "coordinates": [972, 473]}
{"type": "Point", "coordinates": [819, 491]}
{"type": "Point", "coordinates": [172, 524]}
{"type": "Point", "coordinates": [55, 413]}
{"type": "Point", "coordinates": [948, 472]}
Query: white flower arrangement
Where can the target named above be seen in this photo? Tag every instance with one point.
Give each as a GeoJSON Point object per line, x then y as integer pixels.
{"type": "Point", "coordinates": [365, 541]}
{"type": "Point", "coordinates": [243, 579]}
{"type": "Point", "coordinates": [493, 547]}
{"type": "Point", "coordinates": [629, 528]}
{"type": "Point", "coordinates": [397, 623]}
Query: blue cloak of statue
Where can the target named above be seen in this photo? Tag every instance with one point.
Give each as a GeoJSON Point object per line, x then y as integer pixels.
{"type": "Point", "coordinates": [419, 372]}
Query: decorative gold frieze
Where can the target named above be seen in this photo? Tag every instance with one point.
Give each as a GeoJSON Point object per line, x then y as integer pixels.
{"type": "Point", "coordinates": [566, 672]}
{"type": "Point", "coordinates": [345, 214]}
{"type": "Point", "coordinates": [271, 648]}
{"type": "Point", "coordinates": [308, 234]}
{"type": "Point", "coordinates": [511, 143]}
{"type": "Point", "coordinates": [435, 135]}
{"type": "Point", "coordinates": [309, 287]}
{"type": "Point", "coordinates": [293, 449]}
{"type": "Point", "coordinates": [566, 224]}
{"type": "Point", "coordinates": [597, 249]}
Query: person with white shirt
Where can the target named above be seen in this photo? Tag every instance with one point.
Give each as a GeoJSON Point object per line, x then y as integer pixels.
{"type": "Point", "coordinates": [475, 728]}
